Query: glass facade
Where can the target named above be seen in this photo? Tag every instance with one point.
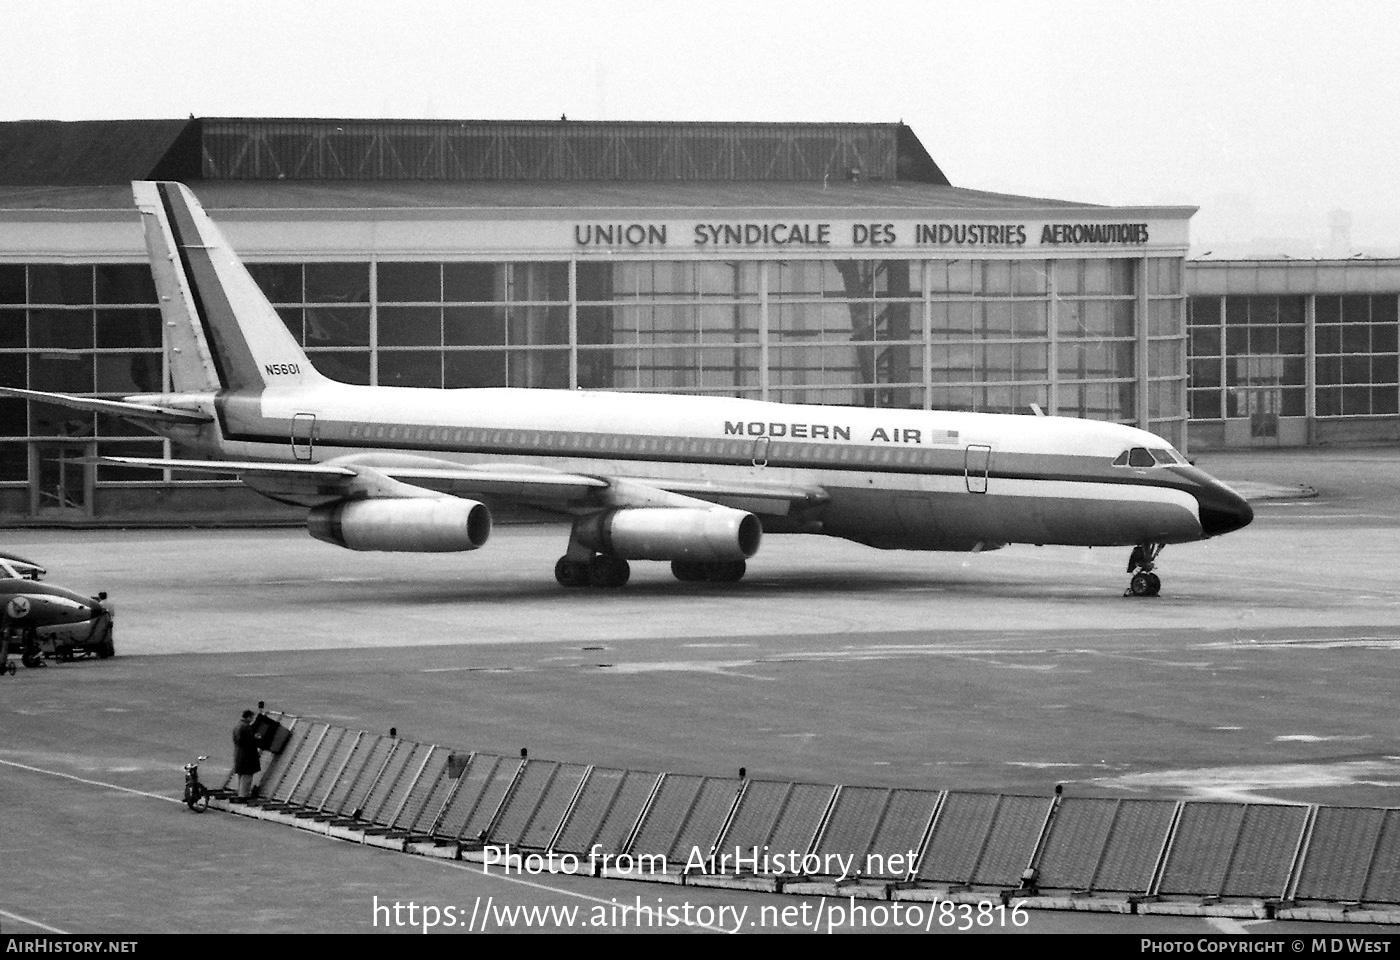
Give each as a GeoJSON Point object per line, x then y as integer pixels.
{"type": "Point", "coordinates": [1357, 371]}
{"type": "Point", "coordinates": [1091, 337]}
{"type": "Point", "coordinates": [90, 329]}
{"type": "Point", "coordinates": [1292, 367]}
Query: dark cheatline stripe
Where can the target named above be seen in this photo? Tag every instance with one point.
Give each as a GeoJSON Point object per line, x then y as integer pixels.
{"type": "Point", "coordinates": [177, 234]}
{"type": "Point", "coordinates": [223, 330]}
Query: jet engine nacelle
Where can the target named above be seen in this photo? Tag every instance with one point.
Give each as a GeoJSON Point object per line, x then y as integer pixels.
{"type": "Point", "coordinates": [665, 533]}
{"type": "Point", "coordinates": [416, 525]}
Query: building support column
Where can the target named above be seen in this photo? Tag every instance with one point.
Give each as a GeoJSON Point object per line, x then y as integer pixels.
{"type": "Point", "coordinates": [573, 324]}
{"type": "Point", "coordinates": [1140, 326]}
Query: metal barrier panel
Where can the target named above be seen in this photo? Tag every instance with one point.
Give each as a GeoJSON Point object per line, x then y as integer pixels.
{"type": "Point", "coordinates": [700, 830]}
{"type": "Point", "coordinates": [381, 751]}
{"type": "Point", "coordinates": [400, 777]}
{"type": "Point", "coordinates": [480, 772]}
{"type": "Point", "coordinates": [851, 826]}
{"type": "Point", "coordinates": [958, 837]}
{"type": "Point", "coordinates": [1339, 853]}
{"type": "Point", "coordinates": [384, 781]}
{"type": "Point", "coordinates": [316, 768]}
{"type": "Point", "coordinates": [294, 768]}
{"type": "Point", "coordinates": [1263, 857]}
{"type": "Point", "coordinates": [529, 790]}
{"type": "Point", "coordinates": [662, 822]}
{"type": "Point", "coordinates": [492, 795]}
{"type": "Point", "coordinates": [1383, 885]}
{"type": "Point", "coordinates": [293, 759]}
{"type": "Point", "coordinates": [336, 764]}
{"type": "Point", "coordinates": [606, 811]}
{"type": "Point", "coordinates": [587, 814]}
{"type": "Point", "coordinates": [434, 770]}
{"type": "Point", "coordinates": [1140, 830]}
{"type": "Point", "coordinates": [757, 815]}
{"type": "Point", "coordinates": [800, 819]}
{"type": "Point", "coordinates": [1200, 852]}
{"type": "Point", "coordinates": [1076, 843]}
{"type": "Point", "coordinates": [280, 763]}
{"type": "Point", "coordinates": [901, 830]}
{"type": "Point", "coordinates": [427, 816]}
{"type": "Point", "coordinates": [338, 798]}
{"type": "Point", "coordinates": [626, 810]}
{"type": "Point", "coordinates": [1011, 844]}
{"type": "Point", "coordinates": [549, 813]}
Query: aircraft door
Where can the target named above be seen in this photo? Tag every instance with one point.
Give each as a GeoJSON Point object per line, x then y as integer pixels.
{"type": "Point", "coordinates": [303, 435]}
{"type": "Point", "coordinates": [760, 452]}
{"type": "Point", "coordinates": [976, 466]}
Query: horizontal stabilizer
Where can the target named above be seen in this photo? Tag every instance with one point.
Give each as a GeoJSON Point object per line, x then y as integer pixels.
{"type": "Point", "coordinates": [119, 408]}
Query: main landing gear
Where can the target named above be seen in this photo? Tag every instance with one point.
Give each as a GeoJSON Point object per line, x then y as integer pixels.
{"type": "Point", "coordinates": [1141, 563]}
{"type": "Point", "coordinates": [601, 570]}
{"type": "Point", "coordinates": [604, 570]}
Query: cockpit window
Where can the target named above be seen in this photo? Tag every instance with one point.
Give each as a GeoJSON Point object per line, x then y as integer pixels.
{"type": "Point", "coordinates": [1146, 457]}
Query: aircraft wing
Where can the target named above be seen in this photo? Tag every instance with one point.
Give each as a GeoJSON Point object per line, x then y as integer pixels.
{"type": "Point", "coordinates": [323, 479]}
{"type": "Point", "coordinates": [120, 408]}
{"type": "Point", "coordinates": [539, 486]}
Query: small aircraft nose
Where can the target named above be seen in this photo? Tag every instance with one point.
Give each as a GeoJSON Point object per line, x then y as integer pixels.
{"type": "Point", "coordinates": [1222, 509]}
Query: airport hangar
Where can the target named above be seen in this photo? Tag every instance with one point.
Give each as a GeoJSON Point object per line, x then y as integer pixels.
{"type": "Point", "coordinates": [815, 263]}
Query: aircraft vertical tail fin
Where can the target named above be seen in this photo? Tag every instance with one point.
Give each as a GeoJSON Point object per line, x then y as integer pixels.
{"type": "Point", "coordinates": [221, 331]}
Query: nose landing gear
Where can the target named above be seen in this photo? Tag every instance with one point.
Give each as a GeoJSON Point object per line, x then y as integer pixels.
{"type": "Point", "coordinates": [1141, 562]}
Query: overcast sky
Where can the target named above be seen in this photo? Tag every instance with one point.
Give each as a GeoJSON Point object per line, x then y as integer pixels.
{"type": "Point", "coordinates": [1267, 115]}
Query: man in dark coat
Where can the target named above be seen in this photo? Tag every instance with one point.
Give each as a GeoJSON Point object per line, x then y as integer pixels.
{"type": "Point", "coordinates": [245, 754]}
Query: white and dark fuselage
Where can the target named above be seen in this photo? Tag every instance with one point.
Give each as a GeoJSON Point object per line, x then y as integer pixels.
{"type": "Point", "coordinates": [922, 480]}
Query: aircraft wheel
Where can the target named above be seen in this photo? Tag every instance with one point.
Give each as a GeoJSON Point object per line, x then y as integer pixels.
{"type": "Point", "coordinates": [106, 651]}
{"type": "Point", "coordinates": [571, 573]}
{"type": "Point", "coordinates": [1154, 585]}
{"type": "Point", "coordinates": [608, 571]}
{"type": "Point", "coordinates": [726, 571]}
{"type": "Point", "coordinates": [1141, 585]}
{"type": "Point", "coordinates": [688, 570]}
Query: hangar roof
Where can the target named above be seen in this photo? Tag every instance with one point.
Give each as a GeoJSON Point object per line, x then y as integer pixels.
{"type": "Point", "coordinates": [417, 197]}
{"type": "Point", "coordinates": [384, 169]}
{"type": "Point", "coordinates": [112, 152]}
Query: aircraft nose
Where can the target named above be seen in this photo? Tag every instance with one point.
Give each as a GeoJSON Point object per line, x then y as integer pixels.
{"type": "Point", "coordinates": [1222, 509]}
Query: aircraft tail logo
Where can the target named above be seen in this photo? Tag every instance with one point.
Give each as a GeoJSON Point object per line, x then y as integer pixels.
{"type": "Point", "coordinates": [221, 331]}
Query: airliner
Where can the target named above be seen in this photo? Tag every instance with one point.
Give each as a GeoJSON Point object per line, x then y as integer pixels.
{"type": "Point", "coordinates": [697, 481]}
